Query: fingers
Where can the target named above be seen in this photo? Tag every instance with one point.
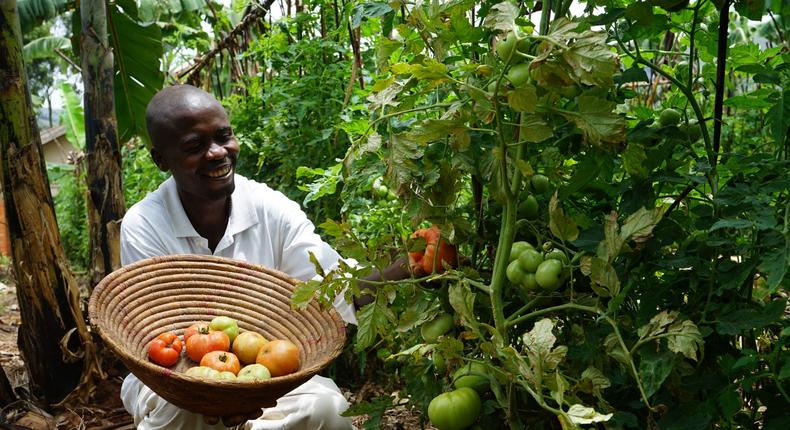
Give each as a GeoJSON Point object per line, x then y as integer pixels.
{"type": "Point", "coordinates": [234, 420]}
{"type": "Point", "coordinates": [210, 419]}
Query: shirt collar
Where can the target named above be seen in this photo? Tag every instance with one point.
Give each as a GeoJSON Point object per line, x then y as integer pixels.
{"type": "Point", "coordinates": [242, 213]}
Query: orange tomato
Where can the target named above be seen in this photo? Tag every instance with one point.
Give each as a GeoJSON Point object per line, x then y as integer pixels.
{"type": "Point", "coordinates": [221, 361]}
{"type": "Point", "coordinates": [281, 357]}
{"type": "Point", "coordinates": [436, 251]}
{"type": "Point", "coordinates": [205, 341]}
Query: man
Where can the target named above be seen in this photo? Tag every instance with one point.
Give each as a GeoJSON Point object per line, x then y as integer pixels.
{"type": "Point", "coordinates": [204, 208]}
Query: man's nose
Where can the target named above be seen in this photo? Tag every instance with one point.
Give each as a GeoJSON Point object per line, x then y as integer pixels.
{"type": "Point", "coordinates": [216, 151]}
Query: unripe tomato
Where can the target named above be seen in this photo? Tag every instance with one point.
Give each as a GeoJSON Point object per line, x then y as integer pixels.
{"type": "Point", "coordinates": [206, 341]}
{"type": "Point", "coordinates": [281, 357]}
{"type": "Point", "coordinates": [518, 75]}
{"type": "Point", "coordinates": [438, 362]}
{"type": "Point", "coordinates": [455, 410]}
{"type": "Point", "coordinates": [165, 349]}
{"type": "Point", "coordinates": [549, 274]}
{"type": "Point", "coordinates": [440, 325]}
{"type": "Point", "coordinates": [472, 375]}
{"type": "Point", "coordinates": [518, 248]}
{"type": "Point", "coordinates": [530, 259]}
{"type": "Point", "coordinates": [556, 254]}
{"type": "Point", "coordinates": [528, 208]}
{"type": "Point", "coordinates": [221, 361]}
{"type": "Point", "coordinates": [226, 324]}
{"type": "Point", "coordinates": [254, 372]}
{"type": "Point", "coordinates": [669, 117]}
{"type": "Point", "coordinates": [247, 345]}
{"type": "Point", "coordinates": [202, 372]}
{"type": "Point", "coordinates": [226, 375]}
{"type": "Point", "coordinates": [540, 183]}
{"type": "Point", "coordinates": [530, 283]}
{"type": "Point", "coordinates": [515, 273]}
{"type": "Point", "coordinates": [506, 48]}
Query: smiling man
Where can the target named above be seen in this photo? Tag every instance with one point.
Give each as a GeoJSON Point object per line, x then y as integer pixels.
{"type": "Point", "coordinates": [205, 208]}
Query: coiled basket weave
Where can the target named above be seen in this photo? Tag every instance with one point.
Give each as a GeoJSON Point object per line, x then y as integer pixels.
{"type": "Point", "coordinates": [134, 304]}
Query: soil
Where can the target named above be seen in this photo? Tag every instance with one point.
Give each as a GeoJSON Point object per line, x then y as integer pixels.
{"type": "Point", "coordinates": [106, 411]}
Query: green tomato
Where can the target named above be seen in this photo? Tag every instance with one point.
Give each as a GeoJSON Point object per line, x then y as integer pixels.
{"type": "Point", "coordinates": [556, 254]}
{"type": "Point", "coordinates": [517, 248]}
{"type": "Point", "coordinates": [518, 75]}
{"type": "Point", "coordinates": [226, 324]}
{"type": "Point", "coordinates": [570, 91]}
{"type": "Point", "coordinates": [515, 273]}
{"type": "Point", "coordinates": [440, 325]}
{"type": "Point", "coordinates": [530, 259]}
{"type": "Point", "coordinates": [472, 376]}
{"type": "Point", "coordinates": [455, 410]}
{"type": "Point", "coordinates": [254, 372]}
{"type": "Point", "coordinates": [692, 130]}
{"type": "Point", "coordinates": [540, 183]}
{"type": "Point", "coordinates": [438, 362]}
{"type": "Point", "coordinates": [549, 274]}
{"type": "Point", "coordinates": [669, 117]}
{"type": "Point", "coordinates": [203, 372]}
{"type": "Point", "coordinates": [528, 208]}
{"type": "Point", "coordinates": [530, 284]}
{"type": "Point", "coordinates": [507, 48]}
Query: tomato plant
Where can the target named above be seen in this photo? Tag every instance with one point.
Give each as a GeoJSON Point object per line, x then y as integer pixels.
{"type": "Point", "coordinates": [165, 349]}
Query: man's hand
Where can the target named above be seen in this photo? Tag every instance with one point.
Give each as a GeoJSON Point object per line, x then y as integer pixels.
{"type": "Point", "coordinates": [232, 420]}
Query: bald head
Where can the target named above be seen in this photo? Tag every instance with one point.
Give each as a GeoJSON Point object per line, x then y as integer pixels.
{"type": "Point", "coordinates": [170, 104]}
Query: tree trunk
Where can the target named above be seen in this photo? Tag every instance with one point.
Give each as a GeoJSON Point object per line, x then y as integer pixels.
{"type": "Point", "coordinates": [46, 289]}
{"type": "Point", "coordinates": [105, 204]}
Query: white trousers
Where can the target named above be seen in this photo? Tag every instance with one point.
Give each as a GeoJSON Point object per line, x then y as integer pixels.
{"type": "Point", "coordinates": [314, 405]}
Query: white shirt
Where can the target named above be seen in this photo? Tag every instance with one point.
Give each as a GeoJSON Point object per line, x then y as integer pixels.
{"type": "Point", "coordinates": [265, 228]}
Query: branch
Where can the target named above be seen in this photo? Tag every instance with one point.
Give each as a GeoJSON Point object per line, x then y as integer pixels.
{"type": "Point", "coordinates": [201, 61]}
{"type": "Point", "coordinates": [721, 69]}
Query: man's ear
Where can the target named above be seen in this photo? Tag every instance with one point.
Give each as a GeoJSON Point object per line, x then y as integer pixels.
{"type": "Point", "coordinates": [159, 160]}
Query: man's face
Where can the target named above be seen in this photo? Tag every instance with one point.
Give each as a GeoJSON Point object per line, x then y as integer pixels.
{"type": "Point", "coordinates": [199, 149]}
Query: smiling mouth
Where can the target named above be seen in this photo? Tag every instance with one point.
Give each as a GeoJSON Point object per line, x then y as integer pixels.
{"type": "Point", "coordinates": [218, 173]}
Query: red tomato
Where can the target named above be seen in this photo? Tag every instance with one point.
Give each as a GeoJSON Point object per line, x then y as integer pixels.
{"type": "Point", "coordinates": [205, 341]}
{"type": "Point", "coordinates": [221, 361]}
{"type": "Point", "coordinates": [193, 329]}
{"type": "Point", "coordinates": [165, 349]}
{"type": "Point", "coordinates": [281, 357]}
{"type": "Point", "coordinates": [446, 252]}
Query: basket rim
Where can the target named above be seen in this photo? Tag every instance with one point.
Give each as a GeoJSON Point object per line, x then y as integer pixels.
{"type": "Point", "coordinates": [133, 361]}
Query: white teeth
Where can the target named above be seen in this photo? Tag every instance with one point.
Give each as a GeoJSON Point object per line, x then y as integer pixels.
{"type": "Point", "coordinates": [219, 172]}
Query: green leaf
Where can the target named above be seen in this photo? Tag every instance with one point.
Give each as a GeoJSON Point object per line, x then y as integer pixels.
{"type": "Point", "coordinates": [657, 324]}
{"type": "Point", "coordinates": [583, 415]}
{"type": "Point", "coordinates": [384, 49]}
{"type": "Point", "coordinates": [597, 380]}
{"type": "Point", "coordinates": [591, 59]}
{"type": "Point", "coordinates": [372, 319]}
{"type": "Point", "coordinates": [462, 299]}
{"type": "Point", "coordinates": [539, 345]}
{"type": "Point", "coordinates": [597, 120]}
{"type": "Point", "coordinates": [137, 50]}
{"type": "Point", "coordinates": [654, 369]}
{"type": "Point", "coordinates": [634, 158]}
{"type": "Point", "coordinates": [524, 99]}
{"type": "Point", "coordinates": [560, 224]}
{"type": "Point", "coordinates": [730, 402]}
{"type": "Point", "coordinates": [731, 223]}
{"type": "Point", "coordinates": [534, 129]}
{"type": "Point", "coordinates": [304, 292]}
{"type": "Point", "coordinates": [44, 47]}
{"type": "Point", "coordinates": [685, 338]}
{"type": "Point", "coordinates": [778, 116]}
{"type": "Point", "coordinates": [639, 225]}
{"type": "Point", "coordinates": [734, 323]}
{"type": "Point", "coordinates": [73, 116]}
{"type": "Point", "coordinates": [502, 17]}
{"type": "Point", "coordinates": [774, 264]}
{"type": "Point", "coordinates": [602, 274]}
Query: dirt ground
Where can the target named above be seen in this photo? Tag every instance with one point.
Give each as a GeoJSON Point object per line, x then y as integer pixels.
{"type": "Point", "coordinates": [107, 413]}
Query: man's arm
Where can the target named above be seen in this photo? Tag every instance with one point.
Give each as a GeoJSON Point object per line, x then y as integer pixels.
{"type": "Point", "coordinates": [394, 272]}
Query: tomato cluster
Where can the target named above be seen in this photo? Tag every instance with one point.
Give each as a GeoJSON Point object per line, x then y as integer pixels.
{"type": "Point", "coordinates": [225, 353]}
{"type": "Point", "coordinates": [533, 270]}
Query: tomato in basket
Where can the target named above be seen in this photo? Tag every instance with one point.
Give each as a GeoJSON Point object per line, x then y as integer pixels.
{"type": "Point", "coordinates": [281, 357]}
{"type": "Point", "coordinates": [194, 329]}
{"type": "Point", "coordinates": [221, 361]}
{"type": "Point", "coordinates": [165, 349]}
{"type": "Point", "coordinates": [205, 341]}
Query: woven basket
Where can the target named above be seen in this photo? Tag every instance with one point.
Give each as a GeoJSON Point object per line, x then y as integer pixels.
{"type": "Point", "coordinates": [134, 304]}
